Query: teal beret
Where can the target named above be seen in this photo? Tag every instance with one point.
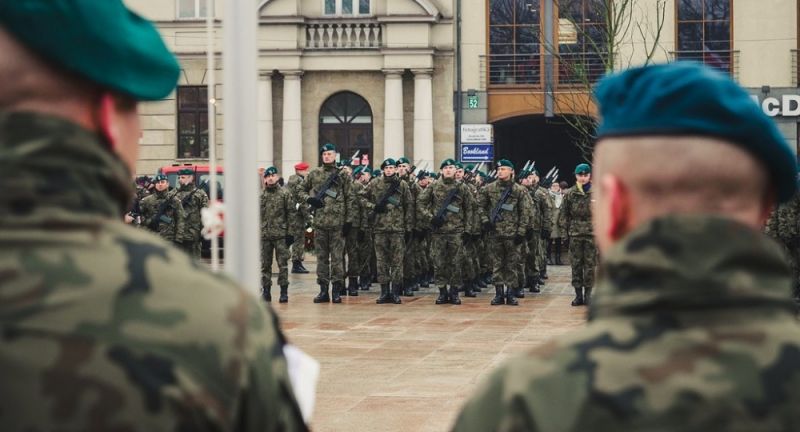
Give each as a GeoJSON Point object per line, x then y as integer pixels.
{"type": "Point", "coordinates": [686, 98]}
{"type": "Point", "coordinates": [185, 171]}
{"type": "Point", "coordinates": [271, 170]}
{"type": "Point", "coordinates": [388, 162]}
{"type": "Point", "coordinates": [346, 163]}
{"type": "Point", "coordinates": [505, 163]}
{"type": "Point", "coordinates": [327, 147]}
{"type": "Point", "coordinates": [459, 165]}
{"type": "Point", "coordinates": [159, 177]}
{"type": "Point", "coordinates": [403, 160]}
{"type": "Point", "coordinates": [583, 169]}
{"type": "Point", "coordinates": [376, 173]}
{"type": "Point", "coordinates": [101, 41]}
{"type": "Point", "coordinates": [358, 170]}
{"type": "Point", "coordinates": [447, 162]}
{"type": "Point", "coordinates": [469, 167]}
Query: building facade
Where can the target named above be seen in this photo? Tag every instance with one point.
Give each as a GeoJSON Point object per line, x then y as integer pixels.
{"type": "Point", "coordinates": [383, 76]}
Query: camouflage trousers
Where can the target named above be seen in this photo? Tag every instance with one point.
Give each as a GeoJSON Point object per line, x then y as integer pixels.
{"type": "Point", "coordinates": [329, 244]}
{"type": "Point", "coordinates": [365, 251]}
{"type": "Point", "coordinates": [541, 252]}
{"type": "Point", "coordinates": [389, 249]}
{"type": "Point", "coordinates": [484, 257]}
{"type": "Point", "coordinates": [532, 263]}
{"type": "Point", "coordinates": [583, 258]}
{"type": "Point", "coordinates": [521, 267]}
{"type": "Point", "coordinates": [351, 247]}
{"type": "Point", "coordinates": [278, 249]}
{"type": "Point", "coordinates": [469, 261]}
{"type": "Point", "coordinates": [446, 251]}
{"type": "Point", "coordinates": [299, 245]}
{"type": "Point", "coordinates": [506, 262]}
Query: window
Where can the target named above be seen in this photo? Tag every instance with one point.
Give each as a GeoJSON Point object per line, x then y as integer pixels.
{"type": "Point", "coordinates": [188, 9]}
{"type": "Point", "coordinates": [514, 42]}
{"type": "Point", "coordinates": [345, 120]}
{"type": "Point", "coordinates": [704, 32]}
{"type": "Point", "coordinates": [582, 46]}
{"type": "Point", "coordinates": [192, 122]}
{"type": "Point", "coordinates": [346, 7]}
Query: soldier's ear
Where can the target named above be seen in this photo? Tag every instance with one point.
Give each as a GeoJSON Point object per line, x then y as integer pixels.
{"type": "Point", "coordinates": [617, 205]}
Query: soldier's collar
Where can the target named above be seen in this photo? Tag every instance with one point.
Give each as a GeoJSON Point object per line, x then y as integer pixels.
{"type": "Point", "coordinates": [690, 263]}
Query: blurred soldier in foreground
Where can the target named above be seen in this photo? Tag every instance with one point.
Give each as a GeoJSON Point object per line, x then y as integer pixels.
{"type": "Point", "coordinates": [692, 327]}
{"type": "Point", "coordinates": [193, 200]}
{"type": "Point", "coordinates": [105, 327]}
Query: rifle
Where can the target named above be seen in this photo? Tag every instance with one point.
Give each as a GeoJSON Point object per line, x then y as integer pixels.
{"type": "Point", "coordinates": [160, 216]}
{"type": "Point", "coordinates": [325, 188]}
{"type": "Point", "coordinates": [385, 198]}
{"type": "Point", "coordinates": [442, 212]}
{"type": "Point", "coordinates": [494, 216]}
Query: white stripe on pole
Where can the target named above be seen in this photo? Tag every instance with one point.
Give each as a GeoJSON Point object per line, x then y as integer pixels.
{"type": "Point", "coordinates": [242, 238]}
{"type": "Point", "coordinates": [211, 48]}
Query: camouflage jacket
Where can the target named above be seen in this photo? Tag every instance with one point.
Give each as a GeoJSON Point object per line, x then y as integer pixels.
{"type": "Point", "coordinates": [193, 199]}
{"type": "Point", "coordinates": [784, 224]}
{"type": "Point", "coordinates": [107, 327]}
{"type": "Point", "coordinates": [295, 185]}
{"type": "Point", "coordinates": [542, 209]}
{"type": "Point", "coordinates": [511, 220]}
{"type": "Point", "coordinates": [278, 213]}
{"type": "Point", "coordinates": [457, 216]}
{"type": "Point", "coordinates": [692, 329]}
{"type": "Point", "coordinates": [575, 217]}
{"type": "Point", "coordinates": [338, 199]}
{"type": "Point", "coordinates": [398, 217]}
{"type": "Point", "coordinates": [170, 223]}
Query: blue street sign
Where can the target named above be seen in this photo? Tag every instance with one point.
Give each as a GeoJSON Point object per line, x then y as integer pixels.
{"type": "Point", "coordinates": [483, 152]}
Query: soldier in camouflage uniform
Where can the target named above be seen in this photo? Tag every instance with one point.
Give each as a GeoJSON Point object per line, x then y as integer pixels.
{"type": "Point", "coordinates": [390, 205]}
{"type": "Point", "coordinates": [412, 251]}
{"type": "Point", "coordinates": [448, 205]}
{"type": "Point", "coordinates": [295, 185]}
{"type": "Point", "coordinates": [540, 223]}
{"type": "Point", "coordinates": [502, 212]}
{"type": "Point", "coordinates": [423, 232]}
{"type": "Point", "coordinates": [193, 200]}
{"type": "Point", "coordinates": [575, 221]}
{"type": "Point", "coordinates": [363, 176]}
{"type": "Point", "coordinates": [692, 327]}
{"type": "Point", "coordinates": [104, 327]}
{"type": "Point", "coordinates": [329, 192]}
{"type": "Point", "coordinates": [353, 242]}
{"type": "Point", "coordinates": [162, 213]}
{"type": "Point", "coordinates": [278, 220]}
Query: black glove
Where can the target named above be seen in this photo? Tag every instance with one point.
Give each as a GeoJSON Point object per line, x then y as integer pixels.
{"type": "Point", "coordinates": [545, 234]}
{"type": "Point", "coordinates": [529, 234]}
{"type": "Point", "coordinates": [518, 239]}
{"type": "Point", "coordinates": [315, 203]}
{"type": "Point", "coordinates": [346, 228]}
{"type": "Point", "coordinates": [289, 240]}
{"type": "Point", "coordinates": [419, 234]}
{"type": "Point", "coordinates": [466, 238]}
{"type": "Point", "coordinates": [360, 235]}
{"type": "Point", "coordinates": [437, 221]}
{"type": "Point", "coordinates": [487, 227]}
{"type": "Point", "coordinates": [380, 208]}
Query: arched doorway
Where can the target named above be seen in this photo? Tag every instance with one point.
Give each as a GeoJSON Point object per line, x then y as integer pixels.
{"type": "Point", "coordinates": [345, 120]}
{"type": "Point", "coordinates": [551, 142]}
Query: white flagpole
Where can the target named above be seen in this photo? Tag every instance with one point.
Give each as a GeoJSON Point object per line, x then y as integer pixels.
{"type": "Point", "coordinates": [242, 238]}
{"type": "Point", "coordinates": [212, 122]}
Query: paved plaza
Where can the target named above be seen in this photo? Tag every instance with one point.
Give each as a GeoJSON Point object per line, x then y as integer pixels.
{"type": "Point", "coordinates": [410, 367]}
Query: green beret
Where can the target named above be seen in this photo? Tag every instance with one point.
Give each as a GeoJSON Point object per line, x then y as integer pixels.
{"type": "Point", "coordinates": [376, 173]}
{"type": "Point", "coordinates": [388, 162]}
{"type": "Point", "coordinates": [101, 41]}
{"type": "Point", "coordinates": [435, 176]}
{"type": "Point", "coordinates": [505, 163]}
{"type": "Point", "coordinates": [583, 169]}
{"type": "Point", "coordinates": [459, 165]}
{"type": "Point", "coordinates": [159, 177]}
{"type": "Point", "coordinates": [686, 99]}
{"type": "Point", "coordinates": [421, 174]}
{"type": "Point", "coordinates": [327, 147]}
{"type": "Point", "coordinates": [346, 163]}
{"type": "Point", "coordinates": [403, 160]}
{"type": "Point", "coordinates": [483, 174]}
{"type": "Point", "coordinates": [534, 171]}
{"type": "Point", "coordinates": [185, 171]}
{"type": "Point", "coordinates": [447, 162]}
{"type": "Point", "coordinates": [469, 167]}
{"type": "Point", "coordinates": [269, 171]}
{"type": "Point", "coordinates": [524, 173]}
{"type": "Point", "coordinates": [358, 170]}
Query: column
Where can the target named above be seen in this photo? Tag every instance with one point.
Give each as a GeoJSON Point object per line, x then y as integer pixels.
{"type": "Point", "coordinates": [393, 140]}
{"type": "Point", "coordinates": [292, 145]}
{"type": "Point", "coordinates": [264, 151]}
{"type": "Point", "coordinates": [423, 118]}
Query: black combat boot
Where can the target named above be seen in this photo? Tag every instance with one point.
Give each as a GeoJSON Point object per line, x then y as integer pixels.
{"type": "Point", "coordinates": [407, 288]}
{"type": "Point", "coordinates": [365, 282]}
{"type": "Point", "coordinates": [415, 283]}
{"type": "Point", "coordinates": [384, 297]}
{"type": "Point", "coordinates": [543, 274]}
{"type": "Point", "coordinates": [297, 267]}
{"type": "Point", "coordinates": [454, 296]}
{"type": "Point", "coordinates": [424, 282]}
{"type": "Point", "coordinates": [284, 298]}
{"type": "Point", "coordinates": [336, 292]}
{"type": "Point", "coordinates": [477, 284]}
{"type": "Point", "coordinates": [303, 266]}
{"type": "Point", "coordinates": [510, 299]}
{"type": "Point", "coordinates": [469, 289]}
{"type": "Point", "coordinates": [533, 284]}
{"type": "Point", "coordinates": [519, 292]}
{"type": "Point", "coordinates": [397, 289]}
{"type": "Point", "coordinates": [558, 252]}
{"type": "Point", "coordinates": [550, 252]}
{"type": "Point", "coordinates": [498, 296]}
{"type": "Point", "coordinates": [352, 286]}
{"type": "Point", "coordinates": [587, 296]}
{"type": "Point", "coordinates": [323, 296]}
{"type": "Point", "coordinates": [442, 299]}
{"type": "Point", "coordinates": [578, 297]}
{"type": "Point", "coordinates": [266, 293]}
